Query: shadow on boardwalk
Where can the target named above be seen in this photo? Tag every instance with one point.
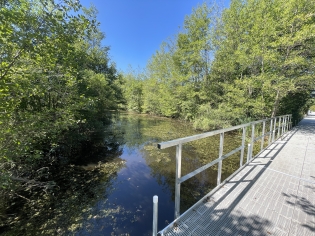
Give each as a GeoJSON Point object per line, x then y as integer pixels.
{"type": "Point", "coordinates": [306, 206]}
{"type": "Point", "coordinates": [222, 213]}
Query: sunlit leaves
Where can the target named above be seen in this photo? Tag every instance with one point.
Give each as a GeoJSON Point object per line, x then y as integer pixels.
{"type": "Point", "coordinates": [56, 85]}
{"type": "Point", "coordinates": [232, 68]}
{"type": "Point", "coordinates": [270, 56]}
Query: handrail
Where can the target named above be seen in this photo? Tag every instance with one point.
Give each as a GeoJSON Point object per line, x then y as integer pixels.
{"type": "Point", "coordinates": [284, 124]}
{"type": "Point", "coordinates": [197, 171]}
{"type": "Point", "coordinates": [174, 142]}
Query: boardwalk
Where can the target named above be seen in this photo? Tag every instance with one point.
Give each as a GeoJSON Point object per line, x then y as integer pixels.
{"type": "Point", "coordinates": [273, 195]}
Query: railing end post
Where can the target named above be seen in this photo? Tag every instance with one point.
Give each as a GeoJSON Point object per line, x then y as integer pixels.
{"type": "Point", "coordinates": [155, 215]}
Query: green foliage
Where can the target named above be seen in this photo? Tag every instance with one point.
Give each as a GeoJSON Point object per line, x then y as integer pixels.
{"type": "Point", "coordinates": [296, 103]}
{"type": "Point", "coordinates": [243, 64]}
{"type": "Point", "coordinates": [177, 75]}
{"type": "Point", "coordinates": [53, 79]}
{"type": "Point", "coordinates": [57, 85]}
{"type": "Point", "coordinates": [133, 91]}
{"type": "Point", "coordinates": [312, 107]}
{"type": "Point", "coordinates": [267, 43]}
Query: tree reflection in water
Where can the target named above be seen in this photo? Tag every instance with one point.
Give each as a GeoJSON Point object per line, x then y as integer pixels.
{"type": "Point", "coordinates": [150, 171]}
{"type": "Point", "coordinates": [116, 197]}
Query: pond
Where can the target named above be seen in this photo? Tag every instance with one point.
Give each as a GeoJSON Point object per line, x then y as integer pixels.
{"type": "Point", "coordinates": [148, 171]}
{"type": "Point", "coordinates": [115, 197]}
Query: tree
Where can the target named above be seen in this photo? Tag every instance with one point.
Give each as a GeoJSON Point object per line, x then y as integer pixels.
{"type": "Point", "coordinates": [133, 91]}
{"type": "Point", "coordinates": [235, 67]}
{"type": "Point", "coordinates": [178, 73]}
{"type": "Point", "coordinates": [263, 54]}
{"type": "Point", "coordinates": [57, 86]}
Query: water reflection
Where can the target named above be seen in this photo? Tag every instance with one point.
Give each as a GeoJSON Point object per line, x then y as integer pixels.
{"type": "Point", "coordinates": [115, 197]}
{"type": "Point", "coordinates": [149, 171]}
{"type": "Point", "coordinates": [63, 210]}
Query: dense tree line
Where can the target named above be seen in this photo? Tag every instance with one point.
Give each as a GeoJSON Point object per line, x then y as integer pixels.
{"type": "Point", "coordinates": [253, 60]}
{"type": "Point", "coordinates": [57, 86]}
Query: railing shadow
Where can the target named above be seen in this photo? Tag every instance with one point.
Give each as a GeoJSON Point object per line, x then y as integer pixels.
{"type": "Point", "coordinates": [237, 223]}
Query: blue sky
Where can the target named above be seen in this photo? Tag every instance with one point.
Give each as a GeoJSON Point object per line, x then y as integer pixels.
{"type": "Point", "coordinates": [135, 29]}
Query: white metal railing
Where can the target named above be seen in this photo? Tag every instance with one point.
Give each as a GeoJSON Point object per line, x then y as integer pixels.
{"type": "Point", "coordinates": [275, 132]}
{"type": "Point", "coordinates": [155, 215]}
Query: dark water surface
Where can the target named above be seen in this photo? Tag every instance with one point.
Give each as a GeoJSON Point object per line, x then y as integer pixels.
{"type": "Point", "coordinates": [112, 195]}
{"type": "Point", "coordinates": [127, 208]}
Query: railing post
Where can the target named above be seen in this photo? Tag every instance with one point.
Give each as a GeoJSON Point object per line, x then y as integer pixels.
{"type": "Point", "coordinates": [273, 136]}
{"type": "Point", "coordinates": [279, 128]}
{"type": "Point", "coordinates": [288, 124]}
{"type": "Point", "coordinates": [282, 122]}
{"type": "Point", "coordinates": [248, 153]}
{"type": "Point", "coordinates": [275, 125]}
{"type": "Point", "coordinates": [263, 136]}
{"type": "Point", "coordinates": [253, 140]}
{"type": "Point", "coordinates": [270, 131]}
{"type": "Point", "coordinates": [243, 146]}
{"type": "Point", "coordinates": [177, 183]}
{"type": "Point", "coordinates": [155, 215]}
{"type": "Point", "coordinates": [283, 125]}
{"type": "Point", "coordinates": [220, 155]}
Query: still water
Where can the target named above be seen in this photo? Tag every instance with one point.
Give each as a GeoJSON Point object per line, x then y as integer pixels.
{"type": "Point", "coordinates": [126, 208]}
{"type": "Point", "coordinates": [146, 172]}
{"type": "Point", "coordinates": [112, 194]}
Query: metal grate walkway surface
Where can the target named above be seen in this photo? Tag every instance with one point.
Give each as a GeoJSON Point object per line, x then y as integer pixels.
{"type": "Point", "coordinates": [273, 195]}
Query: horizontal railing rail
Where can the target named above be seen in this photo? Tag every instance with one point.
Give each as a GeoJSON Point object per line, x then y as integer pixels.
{"type": "Point", "coordinates": [277, 127]}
